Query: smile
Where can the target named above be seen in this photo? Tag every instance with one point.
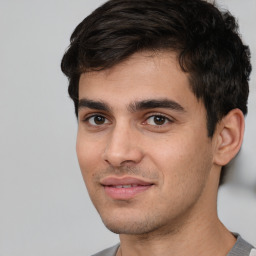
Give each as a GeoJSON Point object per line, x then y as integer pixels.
{"type": "Point", "coordinates": [124, 188]}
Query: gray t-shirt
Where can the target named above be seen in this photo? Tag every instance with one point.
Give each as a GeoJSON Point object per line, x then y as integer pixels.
{"type": "Point", "coordinates": [241, 248]}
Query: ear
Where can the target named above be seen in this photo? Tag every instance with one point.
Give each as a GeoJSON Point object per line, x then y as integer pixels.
{"type": "Point", "coordinates": [229, 137]}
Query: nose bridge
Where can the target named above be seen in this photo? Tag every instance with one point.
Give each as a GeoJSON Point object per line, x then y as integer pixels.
{"type": "Point", "coordinates": [122, 145]}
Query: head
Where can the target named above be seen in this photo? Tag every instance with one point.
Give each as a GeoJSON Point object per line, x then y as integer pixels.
{"type": "Point", "coordinates": [202, 41]}
{"type": "Point", "coordinates": [206, 41]}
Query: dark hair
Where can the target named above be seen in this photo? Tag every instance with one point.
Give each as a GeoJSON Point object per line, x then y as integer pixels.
{"type": "Point", "coordinates": [206, 40]}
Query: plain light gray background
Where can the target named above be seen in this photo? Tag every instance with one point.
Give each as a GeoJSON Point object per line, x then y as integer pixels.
{"type": "Point", "coordinates": [44, 206]}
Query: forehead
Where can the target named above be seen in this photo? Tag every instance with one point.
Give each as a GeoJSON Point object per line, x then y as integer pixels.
{"type": "Point", "coordinates": [150, 58]}
{"type": "Point", "coordinates": [142, 76]}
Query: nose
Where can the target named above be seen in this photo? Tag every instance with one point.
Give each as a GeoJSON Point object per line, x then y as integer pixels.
{"type": "Point", "coordinates": [123, 147]}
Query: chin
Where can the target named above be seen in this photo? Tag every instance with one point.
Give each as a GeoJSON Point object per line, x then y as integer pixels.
{"type": "Point", "coordinates": [132, 225]}
{"type": "Point", "coordinates": [127, 228]}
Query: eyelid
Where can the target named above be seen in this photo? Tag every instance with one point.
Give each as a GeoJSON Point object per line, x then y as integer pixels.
{"type": "Point", "coordinates": [87, 117]}
{"type": "Point", "coordinates": [159, 114]}
{"type": "Point", "coordinates": [87, 114]}
{"type": "Point", "coordinates": [168, 118]}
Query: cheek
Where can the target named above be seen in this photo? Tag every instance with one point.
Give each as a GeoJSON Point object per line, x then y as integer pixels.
{"type": "Point", "coordinates": [88, 157]}
{"type": "Point", "coordinates": [183, 161]}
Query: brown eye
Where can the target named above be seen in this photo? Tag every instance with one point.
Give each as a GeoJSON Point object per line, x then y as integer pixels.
{"type": "Point", "coordinates": [97, 120]}
{"type": "Point", "coordinates": [157, 120]}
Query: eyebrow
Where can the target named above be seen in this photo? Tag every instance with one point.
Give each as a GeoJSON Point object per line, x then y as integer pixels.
{"type": "Point", "coordinates": [98, 105]}
{"type": "Point", "coordinates": [155, 103]}
{"type": "Point", "coordinates": [134, 106]}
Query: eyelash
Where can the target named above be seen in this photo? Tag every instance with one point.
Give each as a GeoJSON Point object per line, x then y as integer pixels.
{"type": "Point", "coordinates": [157, 115]}
{"type": "Point", "coordinates": [87, 119]}
{"type": "Point", "coordinates": [166, 120]}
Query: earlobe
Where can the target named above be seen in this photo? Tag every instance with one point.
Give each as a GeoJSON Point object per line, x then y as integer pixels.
{"type": "Point", "coordinates": [229, 137]}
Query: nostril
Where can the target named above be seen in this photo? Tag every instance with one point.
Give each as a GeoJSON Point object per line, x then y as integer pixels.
{"type": "Point", "coordinates": [121, 148]}
{"type": "Point", "coordinates": [125, 158]}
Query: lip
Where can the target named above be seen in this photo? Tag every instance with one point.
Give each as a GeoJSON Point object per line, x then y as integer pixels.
{"type": "Point", "coordinates": [124, 188]}
{"type": "Point", "coordinates": [115, 181]}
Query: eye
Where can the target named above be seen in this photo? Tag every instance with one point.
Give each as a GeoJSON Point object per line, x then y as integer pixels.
{"type": "Point", "coordinates": [157, 120]}
{"type": "Point", "coordinates": [97, 120]}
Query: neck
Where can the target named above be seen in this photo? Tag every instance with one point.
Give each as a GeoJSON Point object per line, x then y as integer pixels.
{"type": "Point", "coordinates": [205, 240]}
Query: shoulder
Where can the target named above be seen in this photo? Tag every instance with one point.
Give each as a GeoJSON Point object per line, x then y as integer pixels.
{"type": "Point", "coordinates": [242, 248]}
{"type": "Point", "coordinates": [253, 252]}
{"type": "Point", "coordinates": [108, 252]}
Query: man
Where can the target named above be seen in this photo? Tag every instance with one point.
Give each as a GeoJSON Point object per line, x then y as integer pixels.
{"type": "Point", "coordinates": [160, 89]}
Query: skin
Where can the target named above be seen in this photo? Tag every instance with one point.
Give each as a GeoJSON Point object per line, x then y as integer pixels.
{"type": "Point", "coordinates": [165, 146]}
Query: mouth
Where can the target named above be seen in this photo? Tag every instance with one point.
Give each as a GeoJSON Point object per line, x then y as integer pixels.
{"type": "Point", "coordinates": [124, 188]}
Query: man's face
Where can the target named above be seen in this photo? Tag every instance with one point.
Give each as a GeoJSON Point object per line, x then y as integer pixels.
{"type": "Point", "coordinates": [142, 144]}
